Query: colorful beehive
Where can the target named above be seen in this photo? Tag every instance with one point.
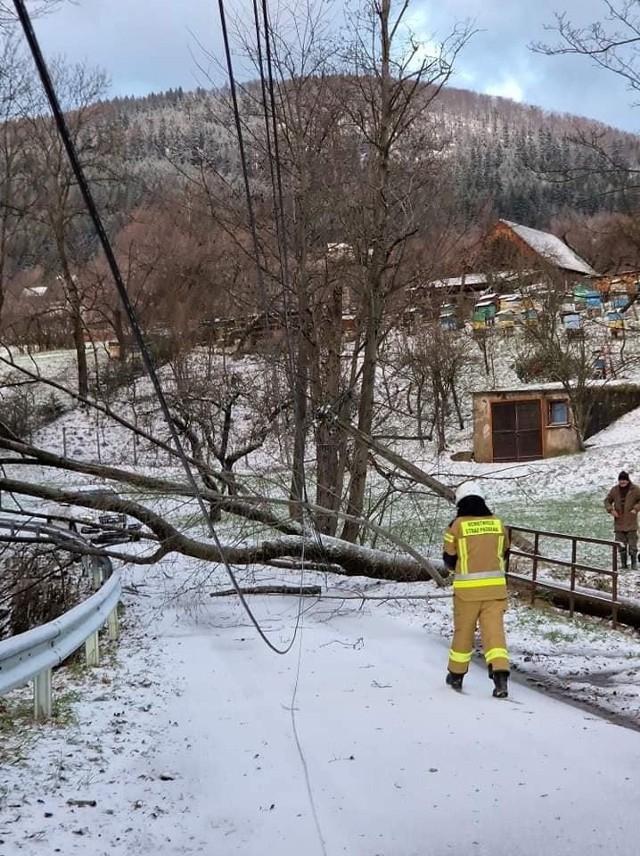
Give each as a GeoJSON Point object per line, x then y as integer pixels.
{"type": "Point", "coordinates": [506, 318]}
{"type": "Point", "coordinates": [490, 297]}
{"type": "Point", "coordinates": [484, 313]}
{"type": "Point", "coordinates": [511, 301]}
{"type": "Point", "coordinates": [615, 322]}
{"type": "Point", "coordinates": [506, 321]}
{"type": "Point", "coordinates": [587, 297]}
{"type": "Point", "coordinates": [448, 318]}
{"type": "Point", "coordinates": [619, 301]}
{"type": "Point", "coordinates": [573, 325]}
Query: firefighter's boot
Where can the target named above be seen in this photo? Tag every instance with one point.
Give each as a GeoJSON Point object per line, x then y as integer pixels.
{"type": "Point", "coordinates": [501, 688]}
{"type": "Point", "coordinates": [623, 559]}
{"type": "Point", "coordinates": [454, 681]}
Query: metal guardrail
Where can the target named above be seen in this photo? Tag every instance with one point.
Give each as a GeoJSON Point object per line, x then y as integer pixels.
{"type": "Point", "coordinates": [531, 563]}
{"type": "Point", "coordinates": [44, 531]}
{"type": "Point", "coordinates": [33, 654]}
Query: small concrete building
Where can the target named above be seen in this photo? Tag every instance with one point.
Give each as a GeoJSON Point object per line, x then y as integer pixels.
{"type": "Point", "coordinates": [529, 423]}
{"type": "Point", "coordinates": [522, 424]}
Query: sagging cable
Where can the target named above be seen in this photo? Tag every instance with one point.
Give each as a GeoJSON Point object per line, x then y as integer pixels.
{"type": "Point", "coordinates": [94, 214]}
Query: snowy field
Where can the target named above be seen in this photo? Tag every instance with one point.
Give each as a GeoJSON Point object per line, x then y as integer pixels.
{"type": "Point", "coordinates": [195, 738]}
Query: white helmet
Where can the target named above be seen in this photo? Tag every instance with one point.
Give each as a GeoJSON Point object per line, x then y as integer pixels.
{"type": "Point", "coordinates": [469, 488]}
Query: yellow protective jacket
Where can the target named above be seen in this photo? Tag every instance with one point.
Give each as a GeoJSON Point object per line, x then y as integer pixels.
{"type": "Point", "coordinates": [479, 545]}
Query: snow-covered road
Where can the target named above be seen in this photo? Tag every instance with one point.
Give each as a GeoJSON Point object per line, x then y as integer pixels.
{"type": "Point", "coordinates": [350, 744]}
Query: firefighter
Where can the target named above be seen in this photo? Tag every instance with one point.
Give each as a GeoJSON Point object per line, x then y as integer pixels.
{"type": "Point", "coordinates": [476, 545]}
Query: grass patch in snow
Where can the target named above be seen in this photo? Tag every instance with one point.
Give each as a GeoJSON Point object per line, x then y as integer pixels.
{"type": "Point", "coordinates": [63, 713]}
{"type": "Point", "coordinates": [580, 514]}
{"type": "Point", "coordinates": [17, 713]}
{"type": "Point", "coordinates": [554, 626]}
{"type": "Point", "coordinates": [19, 730]}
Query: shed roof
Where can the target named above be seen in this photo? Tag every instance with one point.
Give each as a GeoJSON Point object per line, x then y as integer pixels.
{"type": "Point", "coordinates": [551, 248]}
{"type": "Point", "coordinates": [551, 386]}
{"type": "Point", "coordinates": [470, 280]}
{"type": "Point", "coordinates": [35, 290]}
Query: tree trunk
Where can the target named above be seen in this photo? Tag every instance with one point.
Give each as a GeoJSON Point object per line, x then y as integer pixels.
{"type": "Point", "coordinates": [329, 439]}
{"type": "Point", "coordinates": [74, 301]}
{"type": "Point", "coordinates": [355, 504]}
{"type": "Point", "coordinates": [121, 339]}
{"type": "Point", "coordinates": [376, 259]}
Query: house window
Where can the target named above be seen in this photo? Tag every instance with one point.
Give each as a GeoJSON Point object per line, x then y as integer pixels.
{"type": "Point", "coordinates": [558, 413]}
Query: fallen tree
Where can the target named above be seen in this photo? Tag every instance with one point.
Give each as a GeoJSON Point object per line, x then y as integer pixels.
{"type": "Point", "coordinates": [402, 564]}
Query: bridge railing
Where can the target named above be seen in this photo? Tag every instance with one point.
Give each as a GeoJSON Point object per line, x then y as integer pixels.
{"type": "Point", "coordinates": [577, 567]}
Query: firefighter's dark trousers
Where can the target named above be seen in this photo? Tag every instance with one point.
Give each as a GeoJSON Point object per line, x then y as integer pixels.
{"type": "Point", "coordinates": [489, 614]}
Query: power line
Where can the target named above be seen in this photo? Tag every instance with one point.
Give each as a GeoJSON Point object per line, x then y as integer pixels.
{"type": "Point", "coordinates": [87, 196]}
{"type": "Point", "coordinates": [241, 148]}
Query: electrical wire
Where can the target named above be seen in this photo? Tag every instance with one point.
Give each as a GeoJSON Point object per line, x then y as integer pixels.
{"type": "Point", "coordinates": [295, 379]}
{"type": "Point", "coordinates": [241, 148]}
{"type": "Point", "coordinates": [87, 196]}
{"type": "Point", "coordinates": [276, 171]}
{"type": "Point", "coordinates": [301, 753]}
{"type": "Point", "coordinates": [273, 153]}
{"type": "Point", "coordinates": [245, 176]}
{"type": "Point", "coordinates": [263, 88]}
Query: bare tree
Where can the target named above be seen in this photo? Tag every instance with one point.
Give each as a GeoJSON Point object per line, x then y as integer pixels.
{"type": "Point", "coordinates": [288, 538]}
{"type": "Point", "coordinates": [387, 100]}
{"type": "Point", "coordinates": [224, 415]}
{"type": "Point", "coordinates": [16, 100]}
{"type": "Point", "coordinates": [361, 169]}
{"type": "Point", "coordinates": [56, 206]}
{"type": "Point", "coordinates": [356, 179]}
{"type": "Point", "coordinates": [36, 8]}
{"type": "Point", "coordinates": [177, 294]}
{"type": "Point", "coordinates": [436, 360]}
{"type": "Point", "coordinates": [613, 44]}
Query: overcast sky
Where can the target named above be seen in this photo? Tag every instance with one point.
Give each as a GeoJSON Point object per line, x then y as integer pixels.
{"type": "Point", "coordinates": [152, 45]}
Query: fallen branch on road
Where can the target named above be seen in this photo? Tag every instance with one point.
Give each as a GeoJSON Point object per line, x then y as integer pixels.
{"type": "Point", "coordinates": [298, 590]}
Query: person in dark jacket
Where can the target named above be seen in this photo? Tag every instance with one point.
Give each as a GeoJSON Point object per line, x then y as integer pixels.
{"type": "Point", "coordinates": [476, 546]}
{"type": "Point", "coordinates": [623, 503]}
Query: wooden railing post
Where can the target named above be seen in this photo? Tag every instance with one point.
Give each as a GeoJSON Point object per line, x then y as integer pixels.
{"type": "Point", "coordinates": [573, 566]}
{"type": "Point", "coordinates": [574, 555]}
{"type": "Point", "coordinates": [534, 566]}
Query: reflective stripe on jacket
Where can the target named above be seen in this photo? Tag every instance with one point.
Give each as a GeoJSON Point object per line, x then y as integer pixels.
{"type": "Point", "coordinates": [479, 545]}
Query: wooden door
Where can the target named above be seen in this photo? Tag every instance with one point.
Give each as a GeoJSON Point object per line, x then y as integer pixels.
{"type": "Point", "coordinates": [516, 428]}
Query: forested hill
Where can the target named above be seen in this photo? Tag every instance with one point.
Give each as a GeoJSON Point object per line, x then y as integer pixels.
{"type": "Point", "coordinates": [516, 159]}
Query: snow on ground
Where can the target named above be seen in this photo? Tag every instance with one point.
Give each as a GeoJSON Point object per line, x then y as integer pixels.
{"type": "Point", "coordinates": [195, 738]}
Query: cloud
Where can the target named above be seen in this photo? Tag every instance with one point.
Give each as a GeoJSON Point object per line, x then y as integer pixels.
{"type": "Point", "coordinates": [147, 45]}
{"type": "Point", "coordinates": [499, 57]}
{"type": "Point", "coordinates": [508, 87]}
